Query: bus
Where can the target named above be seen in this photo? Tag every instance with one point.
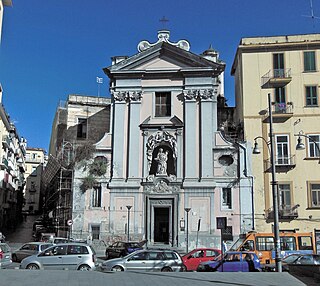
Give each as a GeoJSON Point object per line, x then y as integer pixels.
{"type": "Point", "coordinates": [263, 244]}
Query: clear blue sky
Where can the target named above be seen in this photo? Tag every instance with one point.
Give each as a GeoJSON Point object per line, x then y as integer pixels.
{"type": "Point", "coordinates": [52, 48]}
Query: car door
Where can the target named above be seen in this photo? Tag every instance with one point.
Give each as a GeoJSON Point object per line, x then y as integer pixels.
{"type": "Point", "coordinates": [231, 263]}
{"type": "Point", "coordinates": [76, 254]}
{"type": "Point", "coordinates": [138, 262]}
{"type": "Point", "coordinates": [52, 258]}
{"type": "Point", "coordinates": [114, 249]}
{"type": "Point", "coordinates": [24, 251]}
{"type": "Point", "coordinates": [195, 259]}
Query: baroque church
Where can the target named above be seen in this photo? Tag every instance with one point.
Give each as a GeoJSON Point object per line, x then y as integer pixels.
{"type": "Point", "coordinates": [171, 169]}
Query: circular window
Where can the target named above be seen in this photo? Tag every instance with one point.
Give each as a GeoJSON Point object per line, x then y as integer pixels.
{"type": "Point", "coordinates": [226, 160]}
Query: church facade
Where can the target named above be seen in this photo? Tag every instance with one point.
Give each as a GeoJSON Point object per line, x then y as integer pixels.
{"type": "Point", "coordinates": [171, 169]}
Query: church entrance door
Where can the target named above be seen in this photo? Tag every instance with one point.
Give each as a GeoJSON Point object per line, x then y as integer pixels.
{"type": "Point", "coordinates": [161, 225]}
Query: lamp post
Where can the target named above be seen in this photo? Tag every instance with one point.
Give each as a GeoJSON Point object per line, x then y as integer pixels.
{"type": "Point", "coordinates": [128, 227]}
{"type": "Point", "coordinates": [274, 186]}
{"type": "Point", "coordinates": [187, 226]}
{"type": "Point", "coordinates": [301, 146]}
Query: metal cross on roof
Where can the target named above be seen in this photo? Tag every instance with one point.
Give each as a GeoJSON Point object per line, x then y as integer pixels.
{"type": "Point", "coordinates": [164, 21]}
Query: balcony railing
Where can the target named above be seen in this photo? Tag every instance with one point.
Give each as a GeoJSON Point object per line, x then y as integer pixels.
{"type": "Point", "coordinates": [6, 141]}
{"type": "Point", "coordinates": [5, 162]}
{"type": "Point", "coordinates": [286, 212]}
{"type": "Point", "coordinates": [276, 78]}
{"type": "Point", "coordinates": [282, 108]}
{"type": "Point", "coordinates": [284, 162]}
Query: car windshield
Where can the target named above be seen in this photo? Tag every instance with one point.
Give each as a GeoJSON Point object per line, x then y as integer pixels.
{"type": "Point", "coordinates": [290, 258]}
{"type": "Point", "coordinates": [133, 245]}
{"type": "Point", "coordinates": [217, 258]}
{"type": "Point", "coordinates": [236, 245]}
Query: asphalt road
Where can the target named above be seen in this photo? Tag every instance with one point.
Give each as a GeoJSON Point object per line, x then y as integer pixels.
{"type": "Point", "coordinates": [15, 276]}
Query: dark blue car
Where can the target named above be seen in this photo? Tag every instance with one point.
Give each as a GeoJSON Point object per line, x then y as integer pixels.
{"type": "Point", "coordinates": [123, 248]}
{"type": "Point", "coordinates": [232, 261]}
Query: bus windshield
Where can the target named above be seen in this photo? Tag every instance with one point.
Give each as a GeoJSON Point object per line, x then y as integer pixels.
{"type": "Point", "coordinates": [236, 245]}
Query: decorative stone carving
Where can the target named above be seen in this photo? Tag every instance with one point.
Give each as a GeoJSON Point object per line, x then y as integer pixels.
{"type": "Point", "coordinates": [162, 158]}
{"type": "Point", "coordinates": [135, 95]}
{"type": "Point", "coordinates": [190, 94]}
{"type": "Point", "coordinates": [127, 95]}
{"type": "Point", "coordinates": [161, 187]}
{"type": "Point", "coordinates": [163, 36]}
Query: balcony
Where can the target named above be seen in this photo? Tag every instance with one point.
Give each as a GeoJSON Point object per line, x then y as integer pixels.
{"type": "Point", "coordinates": [276, 78]}
{"type": "Point", "coordinates": [5, 163]}
{"type": "Point", "coordinates": [282, 164]}
{"type": "Point", "coordinates": [286, 213]}
{"type": "Point", "coordinates": [6, 141]}
{"type": "Point", "coordinates": [282, 110]}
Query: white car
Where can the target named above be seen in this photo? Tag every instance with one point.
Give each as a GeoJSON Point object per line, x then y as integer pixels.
{"type": "Point", "coordinates": [146, 260]}
{"type": "Point", "coordinates": [71, 256]}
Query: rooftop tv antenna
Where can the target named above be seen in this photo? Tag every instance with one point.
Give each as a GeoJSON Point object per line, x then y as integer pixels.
{"type": "Point", "coordinates": [312, 16]}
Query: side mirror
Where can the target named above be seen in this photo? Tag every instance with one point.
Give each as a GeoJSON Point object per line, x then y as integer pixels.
{"type": "Point", "coordinates": [190, 256]}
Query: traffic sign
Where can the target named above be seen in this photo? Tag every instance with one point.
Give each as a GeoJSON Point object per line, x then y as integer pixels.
{"type": "Point", "coordinates": [69, 222]}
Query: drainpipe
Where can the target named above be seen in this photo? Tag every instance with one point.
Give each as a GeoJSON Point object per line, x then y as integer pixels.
{"type": "Point", "coordinates": [249, 177]}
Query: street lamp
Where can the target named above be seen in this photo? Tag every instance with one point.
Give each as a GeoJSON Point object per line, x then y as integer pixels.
{"type": "Point", "coordinates": [187, 242]}
{"type": "Point", "coordinates": [301, 146]}
{"type": "Point", "coordinates": [128, 227]}
{"type": "Point", "coordinates": [256, 150]}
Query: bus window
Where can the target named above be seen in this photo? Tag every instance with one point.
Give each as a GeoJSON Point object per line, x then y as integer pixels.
{"type": "Point", "coordinates": [305, 243]}
{"type": "Point", "coordinates": [248, 246]}
{"type": "Point", "coordinates": [264, 243]}
{"type": "Point", "coordinates": [288, 243]}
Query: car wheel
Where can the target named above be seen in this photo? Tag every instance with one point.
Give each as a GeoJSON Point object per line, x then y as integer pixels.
{"type": "Point", "coordinates": [14, 258]}
{"type": "Point", "coordinates": [84, 267]}
{"type": "Point", "coordinates": [32, 266]}
{"type": "Point", "coordinates": [166, 269]}
{"type": "Point", "coordinates": [117, 268]}
{"type": "Point", "coordinates": [184, 268]}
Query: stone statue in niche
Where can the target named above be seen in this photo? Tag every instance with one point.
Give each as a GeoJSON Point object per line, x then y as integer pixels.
{"type": "Point", "coordinates": [162, 158]}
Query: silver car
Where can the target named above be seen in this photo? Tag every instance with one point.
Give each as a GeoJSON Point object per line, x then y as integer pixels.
{"type": "Point", "coordinates": [71, 256]}
{"type": "Point", "coordinates": [146, 260]}
{"type": "Point", "coordinates": [5, 255]}
{"type": "Point", "coordinates": [29, 249]}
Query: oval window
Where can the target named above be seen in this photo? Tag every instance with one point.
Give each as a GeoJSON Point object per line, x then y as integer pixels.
{"type": "Point", "coordinates": [226, 160]}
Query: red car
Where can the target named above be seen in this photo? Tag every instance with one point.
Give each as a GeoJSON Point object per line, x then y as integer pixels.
{"type": "Point", "coordinates": [192, 259]}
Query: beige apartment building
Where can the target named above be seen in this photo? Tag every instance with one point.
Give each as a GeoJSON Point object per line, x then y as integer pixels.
{"type": "Point", "coordinates": [35, 161]}
{"type": "Point", "coordinates": [2, 4]}
{"type": "Point", "coordinates": [287, 67]}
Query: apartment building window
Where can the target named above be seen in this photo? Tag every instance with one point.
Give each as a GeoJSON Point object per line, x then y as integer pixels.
{"type": "Point", "coordinates": [314, 195]}
{"type": "Point", "coordinates": [309, 61]}
{"type": "Point", "coordinates": [311, 96]}
{"type": "Point", "coordinates": [285, 195]}
{"type": "Point", "coordinates": [82, 128]}
{"type": "Point", "coordinates": [162, 104]}
{"type": "Point", "coordinates": [95, 231]}
{"type": "Point", "coordinates": [280, 99]}
{"type": "Point", "coordinates": [313, 151]}
{"type": "Point", "coordinates": [226, 198]}
{"type": "Point", "coordinates": [96, 196]}
{"type": "Point", "coordinates": [282, 152]}
{"type": "Point", "coordinates": [278, 65]}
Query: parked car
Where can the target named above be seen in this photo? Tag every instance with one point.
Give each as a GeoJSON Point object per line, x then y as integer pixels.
{"type": "Point", "coordinates": [146, 260]}
{"type": "Point", "coordinates": [5, 255]}
{"type": "Point", "coordinates": [232, 261]}
{"type": "Point", "coordinates": [73, 256]}
{"type": "Point", "coordinates": [305, 265]}
{"type": "Point", "coordinates": [284, 262]}
{"type": "Point", "coordinates": [29, 249]}
{"type": "Point", "coordinates": [192, 259]}
{"type": "Point", "coordinates": [122, 248]}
